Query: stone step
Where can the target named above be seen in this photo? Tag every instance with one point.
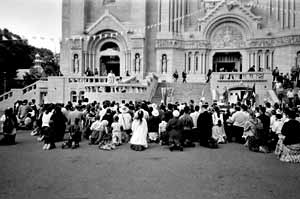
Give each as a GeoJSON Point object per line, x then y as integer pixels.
{"type": "Point", "coordinates": [184, 92]}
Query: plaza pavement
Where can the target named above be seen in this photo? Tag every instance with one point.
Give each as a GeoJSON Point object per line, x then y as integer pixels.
{"type": "Point", "coordinates": [26, 171]}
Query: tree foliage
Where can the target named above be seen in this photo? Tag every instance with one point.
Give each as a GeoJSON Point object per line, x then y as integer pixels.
{"type": "Point", "coordinates": [15, 53]}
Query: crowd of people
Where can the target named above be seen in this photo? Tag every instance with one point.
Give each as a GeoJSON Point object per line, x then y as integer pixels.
{"type": "Point", "coordinates": [109, 124]}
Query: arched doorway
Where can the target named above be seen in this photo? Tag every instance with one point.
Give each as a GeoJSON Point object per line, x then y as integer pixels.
{"type": "Point", "coordinates": [227, 62]}
{"type": "Point", "coordinates": [109, 59]}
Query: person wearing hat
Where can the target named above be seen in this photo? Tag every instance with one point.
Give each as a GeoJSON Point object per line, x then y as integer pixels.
{"type": "Point", "coordinates": [174, 128]}
{"type": "Point", "coordinates": [153, 124]}
{"type": "Point", "coordinates": [125, 120]}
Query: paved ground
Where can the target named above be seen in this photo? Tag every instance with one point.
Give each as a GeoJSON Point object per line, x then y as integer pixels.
{"type": "Point", "coordinates": [229, 172]}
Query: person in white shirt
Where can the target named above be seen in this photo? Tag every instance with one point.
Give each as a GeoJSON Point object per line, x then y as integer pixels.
{"type": "Point", "coordinates": [238, 120]}
{"type": "Point", "coordinates": [194, 117]}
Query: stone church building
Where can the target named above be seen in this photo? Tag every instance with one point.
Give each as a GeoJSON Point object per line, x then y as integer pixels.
{"type": "Point", "coordinates": [142, 36]}
{"type": "Point", "coordinates": [145, 41]}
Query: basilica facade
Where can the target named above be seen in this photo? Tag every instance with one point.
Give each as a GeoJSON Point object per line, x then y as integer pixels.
{"type": "Point", "coordinates": [137, 37]}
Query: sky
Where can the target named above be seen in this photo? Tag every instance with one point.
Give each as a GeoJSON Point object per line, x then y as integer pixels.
{"type": "Point", "coordinates": [33, 19]}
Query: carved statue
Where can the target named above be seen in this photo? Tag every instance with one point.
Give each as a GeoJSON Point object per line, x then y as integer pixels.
{"type": "Point", "coordinates": [164, 63]}
{"type": "Point", "coordinates": [137, 63]}
{"type": "Point", "coordinates": [76, 64]}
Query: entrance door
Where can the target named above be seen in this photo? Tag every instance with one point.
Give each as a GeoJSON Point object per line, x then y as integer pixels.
{"type": "Point", "coordinates": [227, 62]}
{"type": "Point", "coordinates": [109, 63]}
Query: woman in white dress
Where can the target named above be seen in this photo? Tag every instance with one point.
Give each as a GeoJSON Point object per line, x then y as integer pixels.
{"type": "Point", "coordinates": [138, 140]}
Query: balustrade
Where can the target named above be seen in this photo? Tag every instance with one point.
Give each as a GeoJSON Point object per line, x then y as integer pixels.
{"type": "Point", "coordinates": [239, 76]}
{"type": "Point", "coordinates": [116, 89]}
{"type": "Point", "coordinates": [90, 79]}
{"type": "Point", "coordinates": [5, 96]}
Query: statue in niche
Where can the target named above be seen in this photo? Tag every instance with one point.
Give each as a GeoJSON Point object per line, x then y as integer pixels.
{"type": "Point", "coordinates": [137, 63]}
{"type": "Point", "coordinates": [75, 63]}
{"type": "Point", "coordinates": [164, 63]}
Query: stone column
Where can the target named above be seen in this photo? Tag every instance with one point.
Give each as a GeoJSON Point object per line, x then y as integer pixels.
{"type": "Point", "coordinates": [250, 60]}
{"type": "Point", "coordinates": [86, 60]}
{"type": "Point", "coordinates": [263, 60]}
{"type": "Point", "coordinates": [176, 15]}
{"type": "Point", "coordinates": [171, 22]}
{"type": "Point", "coordinates": [83, 63]}
{"type": "Point", "coordinates": [253, 60]}
{"type": "Point", "coordinates": [90, 60]}
{"type": "Point", "coordinates": [192, 63]}
{"type": "Point", "coordinates": [272, 59]}
{"type": "Point", "coordinates": [205, 62]}
{"type": "Point", "coordinates": [256, 61]}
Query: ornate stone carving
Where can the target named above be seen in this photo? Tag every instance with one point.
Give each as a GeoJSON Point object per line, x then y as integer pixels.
{"type": "Point", "coordinates": [227, 36]}
{"type": "Point", "coordinates": [76, 44]}
{"type": "Point", "coordinates": [275, 42]}
{"type": "Point", "coordinates": [190, 44]}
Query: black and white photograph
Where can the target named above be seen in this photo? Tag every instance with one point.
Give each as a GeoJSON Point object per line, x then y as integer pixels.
{"type": "Point", "coordinates": [150, 99]}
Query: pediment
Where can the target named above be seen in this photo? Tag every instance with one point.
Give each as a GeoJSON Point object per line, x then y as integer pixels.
{"type": "Point", "coordinates": [230, 9]}
{"type": "Point", "coordinates": [106, 21]}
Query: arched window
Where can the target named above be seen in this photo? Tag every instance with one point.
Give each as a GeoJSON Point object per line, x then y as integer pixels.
{"type": "Point", "coordinates": [73, 96]}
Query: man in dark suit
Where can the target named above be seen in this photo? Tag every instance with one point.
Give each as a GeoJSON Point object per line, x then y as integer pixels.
{"type": "Point", "coordinates": [204, 124]}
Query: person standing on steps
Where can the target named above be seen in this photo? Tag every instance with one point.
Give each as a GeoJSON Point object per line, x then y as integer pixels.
{"type": "Point", "coordinates": [208, 75]}
{"type": "Point", "coordinates": [175, 76]}
{"type": "Point", "coordinates": [183, 77]}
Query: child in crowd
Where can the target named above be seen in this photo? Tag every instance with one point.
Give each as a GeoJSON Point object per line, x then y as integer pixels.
{"type": "Point", "coordinates": [116, 131]}
{"type": "Point", "coordinates": [162, 132]}
{"type": "Point", "coordinates": [75, 135]}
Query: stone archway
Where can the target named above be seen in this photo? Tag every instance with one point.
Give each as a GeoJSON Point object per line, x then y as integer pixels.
{"type": "Point", "coordinates": [109, 59]}
{"type": "Point", "coordinates": [227, 62]}
{"type": "Point", "coordinates": [108, 46]}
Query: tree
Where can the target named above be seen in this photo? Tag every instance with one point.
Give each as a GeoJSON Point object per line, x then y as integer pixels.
{"type": "Point", "coordinates": [15, 53]}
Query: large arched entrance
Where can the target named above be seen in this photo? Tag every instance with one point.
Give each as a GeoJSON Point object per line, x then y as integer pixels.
{"type": "Point", "coordinates": [109, 59]}
{"type": "Point", "coordinates": [227, 62]}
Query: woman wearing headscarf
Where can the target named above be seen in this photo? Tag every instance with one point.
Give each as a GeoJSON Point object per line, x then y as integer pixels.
{"type": "Point", "coordinates": [174, 128]}
{"type": "Point", "coordinates": [138, 140]}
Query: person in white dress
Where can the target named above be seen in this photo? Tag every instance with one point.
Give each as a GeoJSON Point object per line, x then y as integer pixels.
{"type": "Point", "coordinates": [138, 140]}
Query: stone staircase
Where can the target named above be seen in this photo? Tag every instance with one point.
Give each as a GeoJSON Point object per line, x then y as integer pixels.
{"type": "Point", "coordinates": [184, 92]}
{"type": "Point", "coordinates": [30, 92]}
